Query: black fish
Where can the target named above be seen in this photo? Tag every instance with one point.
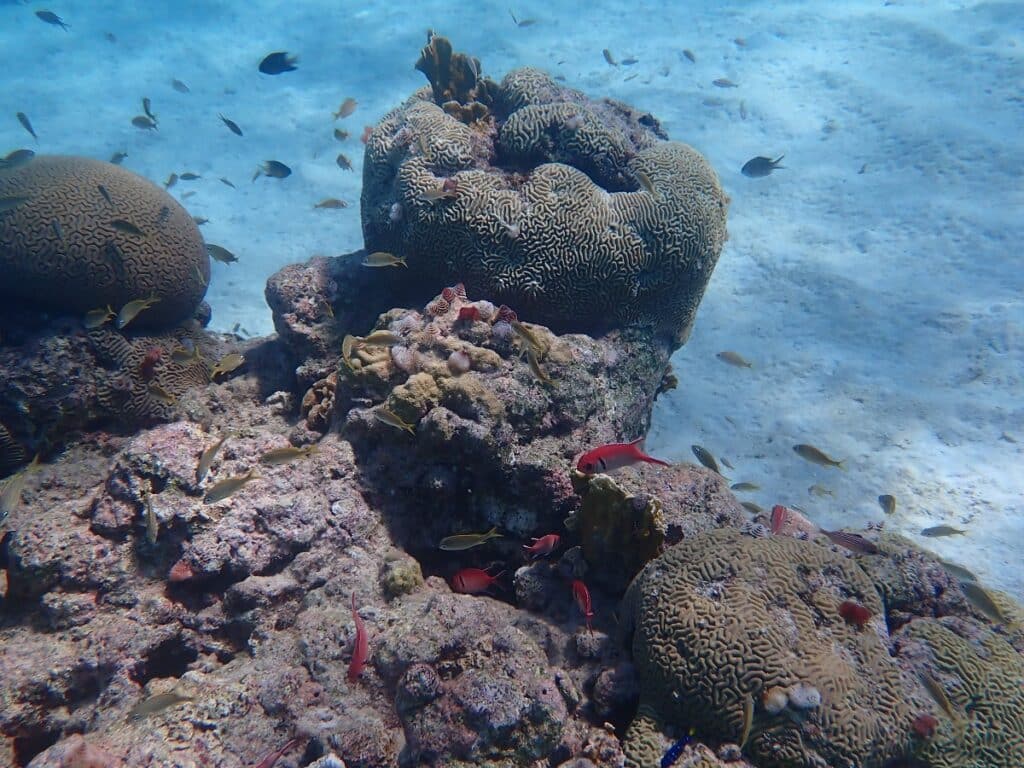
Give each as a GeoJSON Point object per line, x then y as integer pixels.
{"type": "Point", "coordinates": [52, 18]}
{"type": "Point", "coordinates": [274, 169]}
{"type": "Point", "coordinates": [23, 119]}
{"type": "Point", "coordinates": [17, 158]}
{"type": "Point", "coordinates": [143, 122]}
{"type": "Point", "coordinates": [147, 108]}
{"type": "Point", "coordinates": [277, 62]}
{"type": "Point", "coordinates": [118, 157]}
{"type": "Point", "coordinates": [232, 125]}
{"type": "Point", "coordinates": [106, 195]}
{"type": "Point", "coordinates": [761, 166]}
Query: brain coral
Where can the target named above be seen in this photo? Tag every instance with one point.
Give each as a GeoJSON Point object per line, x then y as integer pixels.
{"type": "Point", "coordinates": [983, 676]}
{"type": "Point", "coordinates": [546, 207]}
{"type": "Point", "coordinates": [76, 234]}
{"type": "Point", "coordinates": [722, 617]}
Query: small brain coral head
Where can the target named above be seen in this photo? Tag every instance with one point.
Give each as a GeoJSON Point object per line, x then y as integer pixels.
{"type": "Point", "coordinates": [80, 234]}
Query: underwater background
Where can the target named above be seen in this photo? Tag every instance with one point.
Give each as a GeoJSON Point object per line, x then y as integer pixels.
{"type": "Point", "coordinates": [869, 300]}
{"type": "Point", "coordinates": [875, 285]}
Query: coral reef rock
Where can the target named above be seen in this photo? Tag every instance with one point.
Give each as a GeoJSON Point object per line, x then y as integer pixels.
{"type": "Point", "coordinates": [85, 234]}
{"type": "Point", "coordinates": [577, 212]}
{"type": "Point", "coordinates": [723, 622]}
{"type": "Point", "coordinates": [58, 378]}
{"type": "Point", "coordinates": [490, 446]}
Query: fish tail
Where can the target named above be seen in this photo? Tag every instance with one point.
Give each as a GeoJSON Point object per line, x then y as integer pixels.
{"type": "Point", "coordinates": [652, 460]}
{"type": "Point", "coordinates": [842, 465]}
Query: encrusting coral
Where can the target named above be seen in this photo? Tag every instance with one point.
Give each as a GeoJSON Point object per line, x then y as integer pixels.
{"type": "Point", "coordinates": [577, 212]}
{"type": "Point", "coordinates": [84, 234]}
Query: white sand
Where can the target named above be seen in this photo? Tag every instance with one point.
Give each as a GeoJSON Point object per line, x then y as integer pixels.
{"type": "Point", "coordinates": [883, 310]}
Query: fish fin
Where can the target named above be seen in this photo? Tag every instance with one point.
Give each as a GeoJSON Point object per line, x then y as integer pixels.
{"type": "Point", "coordinates": [638, 442]}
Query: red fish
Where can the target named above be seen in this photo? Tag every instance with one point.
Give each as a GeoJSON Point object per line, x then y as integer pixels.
{"type": "Point", "coordinates": [925, 725]}
{"type": "Point", "coordinates": [473, 581]}
{"type": "Point", "coordinates": [581, 595]}
{"type": "Point", "coordinates": [779, 517]}
{"type": "Point", "coordinates": [543, 546]}
{"type": "Point", "coordinates": [273, 757]}
{"type": "Point", "coordinates": [147, 368]}
{"type": "Point", "coordinates": [367, 130]}
{"type": "Point", "coordinates": [468, 314]}
{"type": "Point", "coordinates": [361, 646]}
{"type": "Point", "coordinates": [854, 613]}
{"type": "Point", "coordinates": [614, 456]}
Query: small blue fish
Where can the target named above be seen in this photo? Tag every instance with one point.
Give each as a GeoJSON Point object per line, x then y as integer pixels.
{"type": "Point", "coordinates": [675, 751]}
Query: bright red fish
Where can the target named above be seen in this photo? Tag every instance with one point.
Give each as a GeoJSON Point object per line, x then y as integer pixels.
{"type": "Point", "coordinates": [361, 646]}
{"type": "Point", "coordinates": [779, 517]}
{"type": "Point", "coordinates": [273, 757]}
{"type": "Point", "coordinates": [147, 368]}
{"type": "Point", "coordinates": [473, 581]}
{"type": "Point", "coordinates": [614, 456]}
{"type": "Point", "coordinates": [581, 595]}
{"type": "Point", "coordinates": [925, 725]}
{"type": "Point", "coordinates": [854, 613]}
{"type": "Point", "coordinates": [543, 546]}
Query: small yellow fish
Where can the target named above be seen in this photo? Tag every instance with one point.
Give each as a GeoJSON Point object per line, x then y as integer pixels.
{"type": "Point", "coordinates": [127, 227]}
{"type": "Point", "coordinates": [438, 193]}
{"type": "Point", "coordinates": [10, 495]}
{"type": "Point", "coordinates": [734, 358]}
{"type": "Point", "coordinates": [748, 720]}
{"type": "Point", "coordinates": [526, 335]}
{"type": "Point", "coordinates": [157, 703]}
{"type": "Point", "coordinates": [132, 309]}
{"type": "Point", "coordinates": [331, 203]}
{"type": "Point", "coordinates": [277, 456]}
{"type": "Point", "coordinates": [160, 394]}
{"type": "Point", "coordinates": [815, 456]}
{"type": "Point", "coordinates": [152, 524]}
{"type": "Point", "coordinates": [942, 530]}
{"type": "Point", "coordinates": [226, 487]}
{"type": "Point", "coordinates": [646, 184]}
{"type": "Point", "coordinates": [980, 598]}
{"type": "Point", "coordinates": [938, 694]}
{"type": "Point", "coordinates": [705, 457]}
{"type": "Point", "coordinates": [381, 338]}
{"type": "Point", "coordinates": [348, 106]}
{"type": "Point", "coordinates": [227, 364]}
{"type": "Point", "coordinates": [745, 487]}
{"type": "Point", "coordinates": [202, 279]}
{"type": "Point", "coordinates": [887, 503]}
{"type": "Point", "coordinates": [752, 508]}
{"type": "Point", "coordinates": [96, 318]}
{"type": "Point", "coordinates": [384, 259]}
{"type": "Point", "coordinates": [349, 344]}
{"type": "Point", "coordinates": [221, 254]}
{"type": "Point", "coordinates": [184, 355]}
{"type": "Point", "coordinates": [819, 490]}
{"type": "Point", "coordinates": [206, 458]}
{"type": "Point", "coordinates": [958, 571]}
{"type": "Point", "coordinates": [382, 414]}
{"type": "Point", "coordinates": [531, 357]}
{"type": "Point", "coordinates": [462, 541]}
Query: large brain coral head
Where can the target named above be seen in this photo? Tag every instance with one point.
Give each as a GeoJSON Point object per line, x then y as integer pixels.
{"type": "Point", "coordinates": [77, 234]}
{"type": "Point", "coordinates": [577, 213]}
